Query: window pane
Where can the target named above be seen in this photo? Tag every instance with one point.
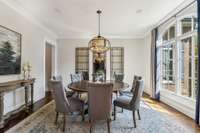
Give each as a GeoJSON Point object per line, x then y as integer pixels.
{"type": "Point", "coordinates": [186, 25]}
{"type": "Point", "coordinates": [172, 32]}
{"type": "Point", "coordinates": [165, 36]}
{"type": "Point", "coordinates": [168, 78]}
{"type": "Point", "coordinates": [195, 23]}
{"type": "Point", "coordinates": [186, 62]}
{"type": "Point", "coordinates": [196, 45]}
{"type": "Point", "coordinates": [196, 60]}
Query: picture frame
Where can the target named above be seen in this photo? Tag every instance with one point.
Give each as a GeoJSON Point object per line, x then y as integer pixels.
{"type": "Point", "coordinates": [10, 51]}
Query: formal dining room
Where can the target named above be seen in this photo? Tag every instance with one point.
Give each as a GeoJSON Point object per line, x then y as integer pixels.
{"type": "Point", "coordinates": [99, 66]}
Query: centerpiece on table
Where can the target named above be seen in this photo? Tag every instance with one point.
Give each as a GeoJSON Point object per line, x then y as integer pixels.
{"type": "Point", "coordinates": [99, 76]}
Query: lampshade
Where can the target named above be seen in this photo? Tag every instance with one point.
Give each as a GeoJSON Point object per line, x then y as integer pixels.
{"type": "Point", "coordinates": [99, 44]}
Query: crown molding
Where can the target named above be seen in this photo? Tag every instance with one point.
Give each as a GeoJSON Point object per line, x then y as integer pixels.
{"type": "Point", "coordinates": [170, 14]}
{"type": "Point", "coordinates": [174, 11]}
{"type": "Point", "coordinates": [19, 9]}
{"type": "Point", "coordinates": [108, 37]}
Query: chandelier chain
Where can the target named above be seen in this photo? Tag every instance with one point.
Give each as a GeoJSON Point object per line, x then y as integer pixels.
{"type": "Point", "coordinates": [99, 15]}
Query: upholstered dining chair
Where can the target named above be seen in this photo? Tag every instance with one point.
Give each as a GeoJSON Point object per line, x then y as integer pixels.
{"type": "Point", "coordinates": [131, 103]}
{"type": "Point", "coordinates": [76, 77]}
{"type": "Point", "coordinates": [68, 93]}
{"type": "Point", "coordinates": [100, 102]}
{"type": "Point", "coordinates": [118, 77]}
{"type": "Point", "coordinates": [85, 75]}
{"type": "Point", "coordinates": [130, 92]}
{"type": "Point", "coordinates": [63, 104]}
{"type": "Point", "coordinates": [58, 78]}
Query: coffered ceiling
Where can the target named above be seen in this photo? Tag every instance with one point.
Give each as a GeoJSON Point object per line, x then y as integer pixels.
{"type": "Point", "coordinates": [78, 18]}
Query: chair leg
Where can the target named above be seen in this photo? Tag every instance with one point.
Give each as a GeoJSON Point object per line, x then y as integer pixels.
{"type": "Point", "coordinates": [108, 125]}
{"type": "Point", "coordinates": [64, 119]}
{"type": "Point", "coordinates": [91, 124]}
{"type": "Point", "coordinates": [56, 117]}
{"type": "Point", "coordinates": [77, 95]}
{"type": "Point", "coordinates": [138, 114]}
{"type": "Point", "coordinates": [134, 121]}
{"type": "Point", "coordinates": [83, 114]}
{"type": "Point", "coordinates": [116, 94]}
{"type": "Point", "coordinates": [114, 112]}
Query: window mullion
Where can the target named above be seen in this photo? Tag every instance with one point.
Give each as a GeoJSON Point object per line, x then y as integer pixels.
{"type": "Point", "coordinates": [178, 62]}
{"type": "Point", "coordinates": [193, 67]}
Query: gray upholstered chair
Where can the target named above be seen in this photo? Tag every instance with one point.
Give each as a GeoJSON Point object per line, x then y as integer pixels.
{"type": "Point", "coordinates": [68, 93]}
{"type": "Point", "coordinates": [131, 103]}
{"type": "Point", "coordinates": [58, 78]}
{"type": "Point", "coordinates": [63, 104]}
{"type": "Point", "coordinates": [100, 102]}
{"type": "Point", "coordinates": [130, 92]}
{"type": "Point", "coordinates": [85, 75]}
{"type": "Point", "coordinates": [76, 77]}
{"type": "Point", "coordinates": [119, 77]}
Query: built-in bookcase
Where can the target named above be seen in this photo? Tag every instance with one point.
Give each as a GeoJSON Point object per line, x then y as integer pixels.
{"type": "Point", "coordinates": [82, 60]}
{"type": "Point", "coordinates": [116, 61]}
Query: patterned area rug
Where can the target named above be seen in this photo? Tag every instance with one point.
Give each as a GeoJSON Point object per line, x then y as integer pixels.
{"type": "Point", "coordinates": [151, 122]}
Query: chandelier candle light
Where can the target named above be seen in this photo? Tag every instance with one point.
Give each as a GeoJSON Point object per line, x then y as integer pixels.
{"type": "Point", "coordinates": [99, 44]}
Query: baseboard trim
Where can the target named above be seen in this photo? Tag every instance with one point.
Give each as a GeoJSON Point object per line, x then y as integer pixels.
{"type": "Point", "coordinates": [179, 106]}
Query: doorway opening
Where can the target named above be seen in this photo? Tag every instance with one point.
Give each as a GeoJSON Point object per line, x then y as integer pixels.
{"type": "Point", "coordinates": [49, 64]}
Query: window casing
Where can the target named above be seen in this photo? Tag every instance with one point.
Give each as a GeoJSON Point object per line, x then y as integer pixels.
{"type": "Point", "coordinates": [179, 57]}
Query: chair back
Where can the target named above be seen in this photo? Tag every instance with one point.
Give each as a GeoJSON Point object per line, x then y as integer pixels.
{"type": "Point", "coordinates": [119, 77]}
{"type": "Point", "coordinates": [58, 78]}
{"type": "Point", "coordinates": [85, 75]}
{"type": "Point", "coordinates": [136, 78]}
{"type": "Point", "coordinates": [76, 77]}
{"type": "Point", "coordinates": [62, 104]}
{"type": "Point", "coordinates": [137, 94]}
{"type": "Point", "coordinates": [100, 100]}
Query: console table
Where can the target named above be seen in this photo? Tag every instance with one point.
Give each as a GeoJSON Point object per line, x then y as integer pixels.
{"type": "Point", "coordinates": [11, 86]}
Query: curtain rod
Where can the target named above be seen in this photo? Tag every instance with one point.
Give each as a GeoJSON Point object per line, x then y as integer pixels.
{"type": "Point", "coordinates": [177, 13]}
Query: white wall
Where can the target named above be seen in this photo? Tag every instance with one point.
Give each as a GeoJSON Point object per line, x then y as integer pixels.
{"type": "Point", "coordinates": [33, 48]}
{"type": "Point", "coordinates": [147, 51]}
{"type": "Point", "coordinates": [134, 57]}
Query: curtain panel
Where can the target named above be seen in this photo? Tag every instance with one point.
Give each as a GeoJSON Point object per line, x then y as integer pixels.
{"type": "Point", "coordinates": [155, 92]}
{"type": "Point", "coordinates": [198, 89]}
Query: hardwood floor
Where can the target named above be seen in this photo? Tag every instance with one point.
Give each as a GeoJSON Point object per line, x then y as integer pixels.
{"type": "Point", "coordinates": [173, 113]}
{"type": "Point", "coordinates": [158, 106]}
{"type": "Point", "coordinates": [14, 119]}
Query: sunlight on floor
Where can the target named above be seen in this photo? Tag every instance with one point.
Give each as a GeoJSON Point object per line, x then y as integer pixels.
{"type": "Point", "coordinates": [155, 106]}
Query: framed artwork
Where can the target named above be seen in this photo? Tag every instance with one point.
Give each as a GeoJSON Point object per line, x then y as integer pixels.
{"type": "Point", "coordinates": [10, 51]}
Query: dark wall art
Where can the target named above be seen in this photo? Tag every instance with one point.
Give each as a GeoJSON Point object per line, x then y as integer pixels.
{"type": "Point", "coordinates": [10, 51]}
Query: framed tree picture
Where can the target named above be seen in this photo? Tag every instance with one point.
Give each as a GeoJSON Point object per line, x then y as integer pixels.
{"type": "Point", "coordinates": [10, 51]}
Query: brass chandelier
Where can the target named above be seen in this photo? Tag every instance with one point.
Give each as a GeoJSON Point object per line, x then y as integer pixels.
{"type": "Point", "coordinates": [99, 44]}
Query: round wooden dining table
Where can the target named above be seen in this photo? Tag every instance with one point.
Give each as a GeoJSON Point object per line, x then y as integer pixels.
{"type": "Point", "coordinates": [82, 85]}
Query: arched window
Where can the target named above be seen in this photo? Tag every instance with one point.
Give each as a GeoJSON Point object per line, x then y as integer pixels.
{"type": "Point", "coordinates": [179, 56]}
{"type": "Point", "coordinates": [188, 56]}
{"type": "Point", "coordinates": [168, 58]}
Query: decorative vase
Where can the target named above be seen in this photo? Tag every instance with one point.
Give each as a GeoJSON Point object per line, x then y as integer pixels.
{"type": "Point", "coordinates": [29, 70]}
{"type": "Point", "coordinates": [26, 69]}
